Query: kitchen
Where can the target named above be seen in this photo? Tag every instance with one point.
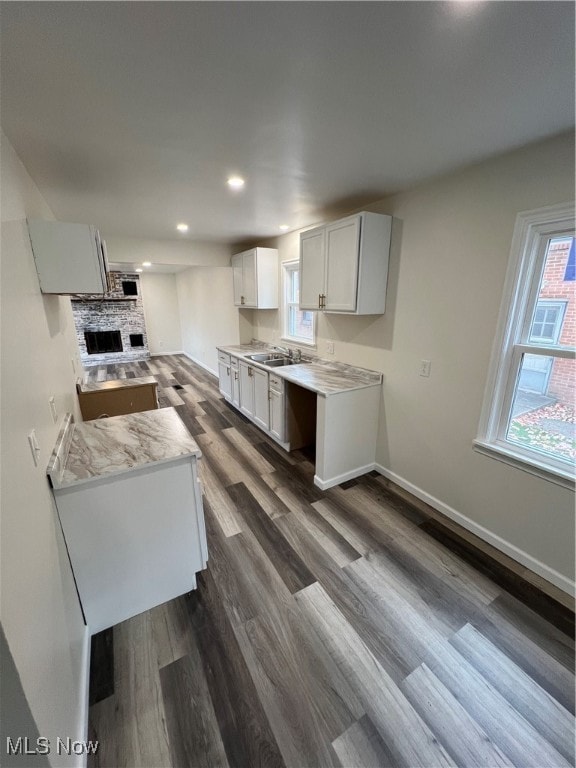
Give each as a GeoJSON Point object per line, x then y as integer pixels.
{"type": "Point", "coordinates": [451, 239]}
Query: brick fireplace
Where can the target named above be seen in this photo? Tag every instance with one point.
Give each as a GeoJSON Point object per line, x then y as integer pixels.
{"type": "Point", "coordinates": [111, 329]}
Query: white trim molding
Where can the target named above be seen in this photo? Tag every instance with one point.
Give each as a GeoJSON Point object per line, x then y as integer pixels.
{"type": "Point", "coordinates": [543, 570]}
{"type": "Point", "coordinates": [532, 233]}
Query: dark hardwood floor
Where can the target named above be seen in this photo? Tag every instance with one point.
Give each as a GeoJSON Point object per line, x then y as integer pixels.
{"type": "Point", "coordinates": [338, 628]}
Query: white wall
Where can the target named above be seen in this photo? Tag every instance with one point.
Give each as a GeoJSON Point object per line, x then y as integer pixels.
{"type": "Point", "coordinates": [179, 252]}
{"type": "Point", "coordinates": [207, 313]}
{"type": "Point", "coordinates": [451, 242]}
{"type": "Point", "coordinates": [39, 608]}
{"type": "Point", "coordinates": [161, 313]}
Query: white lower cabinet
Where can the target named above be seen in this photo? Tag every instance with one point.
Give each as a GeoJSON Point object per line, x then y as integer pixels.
{"type": "Point", "coordinates": [261, 413]}
{"type": "Point", "coordinates": [254, 394]}
{"type": "Point", "coordinates": [246, 389]}
{"type": "Point", "coordinates": [234, 382]}
{"type": "Point", "coordinates": [225, 375]}
{"type": "Point", "coordinates": [277, 408]}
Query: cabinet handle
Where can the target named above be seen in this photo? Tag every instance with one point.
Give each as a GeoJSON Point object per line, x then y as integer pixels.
{"type": "Point", "coordinates": [227, 371]}
{"type": "Point", "coordinates": [319, 301]}
{"type": "Point", "coordinates": [235, 376]}
{"type": "Point", "coordinates": [249, 371]}
{"type": "Point", "coordinates": [241, 299]}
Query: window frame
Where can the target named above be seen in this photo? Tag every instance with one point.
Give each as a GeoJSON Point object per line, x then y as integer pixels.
{"type": "Point", "coordinates": [289, 267]}
{"type": "Point", "coordinates": [532, 233]}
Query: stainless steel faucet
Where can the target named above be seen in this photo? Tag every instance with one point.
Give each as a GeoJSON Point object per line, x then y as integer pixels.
{"type": "Point", "coordinates": [284, 350]}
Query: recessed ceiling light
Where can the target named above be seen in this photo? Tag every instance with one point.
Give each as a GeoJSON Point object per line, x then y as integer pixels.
{"type": "Point", "coordinates": [235, 182]}
{"type": "Point", "coordinates": [146, 263]}
{"type": "Point", "coordinates": [139, 270]}
{"type": "Point", "coordinates": [182, 227]}
{"type": "Point", "coordinates": [284, 227]}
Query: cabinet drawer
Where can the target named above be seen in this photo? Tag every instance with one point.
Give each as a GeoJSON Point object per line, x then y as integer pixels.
{"type": "Point", "coordinates": [224, 357]}
{"type": "Point", "coordinates": [275, 382]}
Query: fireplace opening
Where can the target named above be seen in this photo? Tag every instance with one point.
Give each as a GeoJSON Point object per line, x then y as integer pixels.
{"type": "Point", "coordinates": [99, 342]}
{"type": "Point", "coordinates": [136, 339]}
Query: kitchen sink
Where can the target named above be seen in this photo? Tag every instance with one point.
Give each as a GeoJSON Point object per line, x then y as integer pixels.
{"type": "Point", "coordinates": [275, 362]}
{"type": "Point", "coordinates": [265, 357]}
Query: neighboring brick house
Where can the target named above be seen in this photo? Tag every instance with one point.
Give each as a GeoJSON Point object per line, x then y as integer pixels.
{"type": "Point", "coordinates": [555, 318]}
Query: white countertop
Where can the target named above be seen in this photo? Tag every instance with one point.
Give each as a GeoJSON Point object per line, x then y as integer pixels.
{"type": "Point", "coordinates": [107, 447]}
{"type": "Point", "coordinates": [321, 376]}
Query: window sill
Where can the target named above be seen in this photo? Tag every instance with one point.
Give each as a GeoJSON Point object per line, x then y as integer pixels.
{"type": "Point", "coordinates": [300, 342]}
{"type": "Point", "coordinates": [520, 461]}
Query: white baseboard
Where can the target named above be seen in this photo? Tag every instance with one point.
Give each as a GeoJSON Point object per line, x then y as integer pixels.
{"type": "Point", "coordinates": [560, 581]}
{"type": "Point", "coordinates": [161, 354]}
{"type": "Point", "coordinates": [84, 694]}
{"type": "Point", "coordinates": [198, 362]}
{"type": "Point", "coordinates": [331, 482]}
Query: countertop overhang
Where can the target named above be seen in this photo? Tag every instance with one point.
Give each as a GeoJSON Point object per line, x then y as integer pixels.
{"type": "Point", "coordinates": [324, 377]}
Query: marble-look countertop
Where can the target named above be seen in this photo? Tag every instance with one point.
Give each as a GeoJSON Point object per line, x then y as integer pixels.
{"type": "Point", "coordinates": [325, 377]}
{"type": "Point", "coordinates": [106, 447]}
{"type": "Point", "coordinates": [99, 386]}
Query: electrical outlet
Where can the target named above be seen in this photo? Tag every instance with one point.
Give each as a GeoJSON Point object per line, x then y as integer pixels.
{"type": "Point", "coordinates": [53, 411]}
{"type": "Point", "coordinates": [34, 447]}
{"type": "Point", "coordinates": [330, 347]}
{"type": "Point", "coordinates": [425, 366]}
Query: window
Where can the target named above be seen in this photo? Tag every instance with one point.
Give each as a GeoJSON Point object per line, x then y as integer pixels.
{"type": "Point", "coordinates": [299, 325]}
{"type": "Point", "coordinates": [528, 414]}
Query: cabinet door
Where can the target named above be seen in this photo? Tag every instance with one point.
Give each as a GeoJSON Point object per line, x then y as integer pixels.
{"type": "Point", "coordinates": [277, 414]}
{"type": "Point", "coordinates": [246, 388]}
{"type": "Point", "coordinates": [312, 268]}
{"type": "Point", "coordinates": [249, 278]}
{"type": "Point", "coordinates": [261, 406]}
{"type": "Point", "coordinates": [237, 278]}
{"type": "Point", "coordinates": [69, 257]}
{"type": "Point", "coordinates": [225, 380]}
{"type": "Point", "coordinates": [234, 382]}
{"type": "Point", "coordinates": [342, 252]}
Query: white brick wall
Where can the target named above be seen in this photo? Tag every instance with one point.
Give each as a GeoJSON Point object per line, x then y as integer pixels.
{"type": "Point", "coordinates": [110, 314]}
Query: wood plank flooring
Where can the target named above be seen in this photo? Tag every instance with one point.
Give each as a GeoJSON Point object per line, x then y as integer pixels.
{"type": "Point", "coordinates": [340, 628]}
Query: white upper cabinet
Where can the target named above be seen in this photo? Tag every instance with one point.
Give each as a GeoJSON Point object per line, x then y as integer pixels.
{"type": "Point", "coordinates": [255, 275]}
{"type": "Point", "coordinates": [344, 265]}
{"type": "Point", "coordinates": [70, 258]}
{"type": "Point", "coordinates": [312, 268]}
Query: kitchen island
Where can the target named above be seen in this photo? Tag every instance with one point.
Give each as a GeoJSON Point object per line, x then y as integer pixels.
{"type": "Point", "coordinates": [117, 397]}
{"type": "Point", "coordinates": [347, 403]}
{"type": "Point", "coordinates": [130, 505]}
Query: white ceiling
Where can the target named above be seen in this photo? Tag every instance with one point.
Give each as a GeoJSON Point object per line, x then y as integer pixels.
{"type": "Point", "coordinates": [131, 115]}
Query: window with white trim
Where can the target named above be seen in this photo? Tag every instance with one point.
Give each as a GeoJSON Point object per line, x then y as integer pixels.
{"type": "Point", "coordinates": [528, 415]}
{"type": "Point", "coordinates": [299, 324]}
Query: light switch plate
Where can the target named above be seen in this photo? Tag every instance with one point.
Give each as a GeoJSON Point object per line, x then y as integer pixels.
{"type": "Point", "coordinates": [425, 366]}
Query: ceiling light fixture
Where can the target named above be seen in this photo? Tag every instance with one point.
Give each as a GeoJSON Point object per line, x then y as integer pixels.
{"type": "Point", "coordinates": [182, 227]}
{"type": "Point", "coordinates": [235, 182]}
{"type": "Point", "coordinates": [139, 270]}
{"type": "Point", "coordinates": [284, 227]}
{"type": "Point", "coordinates": [146, 263]}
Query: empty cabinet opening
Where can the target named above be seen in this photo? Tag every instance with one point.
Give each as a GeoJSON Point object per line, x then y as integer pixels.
{"type": "Point", "coordinates": [301, 418]}
{"type": "Point", "coordinates": [99, 342]}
